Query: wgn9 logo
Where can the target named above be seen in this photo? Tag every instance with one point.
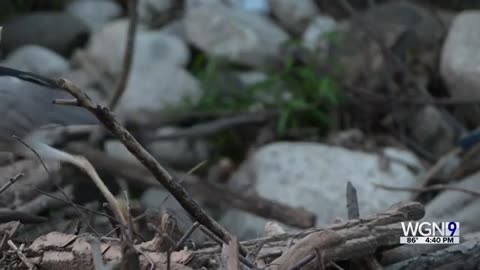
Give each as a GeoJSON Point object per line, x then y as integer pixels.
{"type": "Point", "coordinates": [430, 233]}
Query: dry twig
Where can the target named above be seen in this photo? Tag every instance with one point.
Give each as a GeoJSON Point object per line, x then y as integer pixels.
{"type": "Point", "coordinates": [233, 255]}
{"type": "Point", "coordinates": [83, 164]}
{"type": "Point", "coordinates": [104, 116]}
{"type": "Point", "coordinates": [356, 239]}
{"type": "Point", "coordinates": [215, 126]}
{"type": "Point", "coordinates": [426, 179]}
{"type": "Point", "coordinates": [431, 188]}
{"type": "Point", "coordinates": [11, 181]}
{"type": "Point", "coordinates": [128, 56]}
{"type": "Point", "coordinates": [97, 255]}
{"type": "Point", "coordinates": [303, 252]}
{"type": "Point", "coordinates": [187, 234]}
{"type": "Point", "coordinates": [22, 256]}
{"type": "Point", "coordinates": [7, 215]}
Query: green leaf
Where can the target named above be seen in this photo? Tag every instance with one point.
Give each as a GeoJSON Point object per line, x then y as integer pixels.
{"type": "Point", "coordinates": [282, 122]}
{"type": "Point", "coordinates": [327, 88]}
{"type": "Point", "coordinates": [320, 117]}
{"type": "Point", "coordinates": [297, 104]}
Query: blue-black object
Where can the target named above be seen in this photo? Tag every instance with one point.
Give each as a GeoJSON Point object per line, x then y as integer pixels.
{"type": "Point", "coordinates": [470, 140]}
{"type": "Point", "coordinates": [28, 76]}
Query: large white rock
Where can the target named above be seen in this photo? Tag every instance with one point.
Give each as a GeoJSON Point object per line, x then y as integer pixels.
{"type": "Point", "coordinates": [235, 35]}
{"type": "Point", "coordinates": [314, 176]}
{"type": "Point", "coordinates": [257, 6]}
{"type": "Point", "coordinates": [315, 35]}
{"type": "Point", "coordinates": [460, 61]}
{"type": "Point", "coordinates": [107, 47]}
{"type": "Point", "coordinates": [58, 31]}
{"type": "Point", "coordinates": [94, 13]}
{"type": "Point", "coordinates": [453, 205]}
{"type": "Point", "coordinates": [152, 88]}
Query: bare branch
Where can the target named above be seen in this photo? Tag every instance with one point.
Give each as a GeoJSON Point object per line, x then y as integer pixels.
{"type": "Point", "coordinates": [22, 256]}
{"type": "Point", "coordinates": [11, 181]}
{"type": "Point", "coordinates": [431, 188]}
{"type": "Point", "coordinates": [106, 118]}
{"type": "Point", "coordinates": [128, 56]}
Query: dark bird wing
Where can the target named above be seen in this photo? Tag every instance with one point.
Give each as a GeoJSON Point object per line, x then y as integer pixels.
{"type": "Point", "coordinates": [26, 105]}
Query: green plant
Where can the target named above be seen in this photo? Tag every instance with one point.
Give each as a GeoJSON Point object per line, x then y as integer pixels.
{"type": "Point", "coordinates": [296, 91]}
{"type": "Point", "coordinates": [207, 71]}
{"type": "Point", "coordinates": [302, 97]}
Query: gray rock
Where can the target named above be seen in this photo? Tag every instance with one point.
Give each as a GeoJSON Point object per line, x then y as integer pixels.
{"type": "Point", "coordinates": [158, 46]}
{"type": "Point", "coordinates": [35, 177]}
{"type": "Point", "coordinates": [180, 153]}
{"type": "Point", "coordinates": [94, 13]}
{"type": "Point", "coordinates": [251, 6]}
{"type": "Point", "coordinates": [348, 138]}
{"type": "Point", "coordinates": [314, 176]}
{"type": "Point", "coordinates": [460, 61]}
{"type": "Point", "coordinates": [175, 28]}
{"type": "Point", "coordinates": [403, 26]}
{"type": "Point", "coordinates": [294, 15]}
{"type": "Point", "coordinates": [198, 3]}
{"type": "Point", "coordinates": [315, 35]}
{"type": "Point", "coordinates": [255, 6]}
{"type": "Point", "coordinates": [107, 48]}
{"type": "Point", "coordinates": [57, 31]}
{"type": "Point", "coordinates": [432, 131]}
{"type": "Point", "coordinates": [38, 60]}
{"type": "Point", "coordinates": [116, 149]}
{"type": "Point", "coordinates": [160, 200]}
{"type": "Point", "coordinates": [234, 35]}
{"type": "Point", "coordinates": [404, 157]}
{"type": "Point", "coordinates": [155, 13]}
{"type": "Point", "coordinates": [468, 217]}
{"type": "Point", "coordinates": [80, 77]}
{"type": "Point", "coordinates": [154, 88]}
{"type": "Point", "coordinates": [458, 206]}
{"type": "Point", "coordinates": [405, 22]}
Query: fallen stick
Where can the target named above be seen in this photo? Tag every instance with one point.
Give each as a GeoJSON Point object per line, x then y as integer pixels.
{"type": "Point", "coordinates": [399, 212]}
{"type": "Point", "coordinates": [350, 240]}
{"type": "Point", "coordinates": [353, 239]}
{"type": "Point", "coordinates": [137, 174]}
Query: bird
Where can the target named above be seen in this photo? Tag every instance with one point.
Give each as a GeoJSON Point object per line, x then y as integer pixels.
{"type": "Point", "coordinates": [26, 105]}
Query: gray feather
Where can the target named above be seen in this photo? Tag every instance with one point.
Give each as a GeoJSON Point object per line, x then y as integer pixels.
{"type": "Point", "coordinates": [26, 106]}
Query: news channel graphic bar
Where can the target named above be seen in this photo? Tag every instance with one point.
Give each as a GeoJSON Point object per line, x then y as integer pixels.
{"type": "Point", "coordinates": [430, 232]}
{"type": "Point", "coordinates": [429, 240]}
